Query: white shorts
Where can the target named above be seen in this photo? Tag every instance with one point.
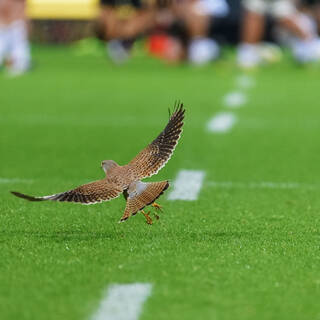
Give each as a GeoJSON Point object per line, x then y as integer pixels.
{"type": "Point", "coordinates": [216, 8]}
{"type": "Point", "coordinates": [276, 8]}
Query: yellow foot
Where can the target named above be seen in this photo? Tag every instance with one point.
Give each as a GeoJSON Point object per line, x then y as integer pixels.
{"type": "Point", "coordinates": [157, 206]}
{"type": "Point", "coordinates": [146, 215]}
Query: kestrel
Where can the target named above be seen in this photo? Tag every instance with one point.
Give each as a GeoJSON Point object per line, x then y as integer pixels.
{"type": "Point", "coordinates": [126, 179]}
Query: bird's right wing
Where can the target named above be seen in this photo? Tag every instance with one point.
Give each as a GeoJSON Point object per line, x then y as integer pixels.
{"type": "Point", "coordinates": [154, 157]}
{"type": "Point", "coordinates": [90, 193]}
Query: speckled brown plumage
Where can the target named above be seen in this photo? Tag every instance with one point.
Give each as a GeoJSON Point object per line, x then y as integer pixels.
{"type": "Point", "coordinates": [137, 201]}
{"type": "Point", "coordinates": [90, 193]}
{"type": "Point", "coordinates": [126, 179]}
{"type": "Point", "coordinates": [154, 157]}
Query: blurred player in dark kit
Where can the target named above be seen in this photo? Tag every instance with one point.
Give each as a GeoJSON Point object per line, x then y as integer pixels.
{"type": "Point", "coordinates": [121, 21]}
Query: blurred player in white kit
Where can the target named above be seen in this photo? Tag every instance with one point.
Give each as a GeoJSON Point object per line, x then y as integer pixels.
{"type": "Point", "coordinates": [288, 18]}
{"type": "Point", "coordinates": [14, 43]}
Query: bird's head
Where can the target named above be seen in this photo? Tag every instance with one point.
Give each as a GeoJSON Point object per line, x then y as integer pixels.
{"type": "Point", "coordinates": [108, 164]}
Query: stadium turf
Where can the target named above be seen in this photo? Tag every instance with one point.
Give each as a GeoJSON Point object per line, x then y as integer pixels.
{"type": "Point", "coordinates": [248, 248]}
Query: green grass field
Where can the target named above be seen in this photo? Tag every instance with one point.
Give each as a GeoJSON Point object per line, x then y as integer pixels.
{"type": "Point", "coordinates": [244, 250]}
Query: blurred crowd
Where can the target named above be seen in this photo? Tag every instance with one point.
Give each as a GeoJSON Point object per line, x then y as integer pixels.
{"type": "Point", "coordinates": [185, 30]}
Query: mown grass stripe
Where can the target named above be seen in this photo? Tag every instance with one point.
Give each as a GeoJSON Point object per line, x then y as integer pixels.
{"type": "Point", "coordinates": [14, 180]}
{"type": "Point", "coordinates": [259, 185]}
{"type": "Point", "coordinates": [123, 302]}
{"type": "Point", "coordinates": [187, 185]}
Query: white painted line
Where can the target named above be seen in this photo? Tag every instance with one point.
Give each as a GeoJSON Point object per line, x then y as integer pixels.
{"type": "Point", "coordinates": [245, 81]}
{"type": "Point", "coordinates": [14, 180]}
{"type": "Point", "coordinates": [187, 185]}
{"type": "Point", "coordinates": [258, 185]}
{"type": "Point", "coordinates": [222, 122]}
{"type": "Point", "coordinates": [235, 99]}
{"type": "Point", "coordinates": [123, 302]}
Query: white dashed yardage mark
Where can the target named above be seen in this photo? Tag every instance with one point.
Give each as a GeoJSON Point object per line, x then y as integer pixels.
{"type": "Point", "coordinates": [245, 82]}
{"type": "Point", "coordinates": [187, 185]}
{"type": "Point", "coordinates": [222, 122]}
{"type": "Point", "coordinates": [123, 302]}
{"type": "Point", "coordinates": [235, 99]}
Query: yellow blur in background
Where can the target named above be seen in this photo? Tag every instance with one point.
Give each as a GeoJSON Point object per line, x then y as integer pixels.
{"type": "Point", "coordinates": [62, 9]}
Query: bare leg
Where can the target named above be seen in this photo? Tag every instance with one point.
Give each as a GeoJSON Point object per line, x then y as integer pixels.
{"type": "Point", "coordinates": [11, 11]}
{"type": "Point", "coordinates": [317, 15]}
{"type": "Point", "coordinates": [201, 48]}
{"type": "Point", "coordinates": [252, 33]}
{"type": "Point", "coordinates": [115, 28]}
{"type": "Point", "coordinates": [291, 25]}
{"type": "Point", "coordinates": [14, 44]}
{"type": "Point", "coordinates": [253, 27]}
{"type": "Point", "coordinates": [197, 24]}
{"type": "Point", "coordinates": [304, 39]}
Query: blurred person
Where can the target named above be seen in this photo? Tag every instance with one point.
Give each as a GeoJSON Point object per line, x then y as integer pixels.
{"type": "Point", "coordinates": [120, 22]}
{"type": "Point", "coordinates": [309, 19]}
{"type": "Point", "coordinates": [312, 9]}
{"type": "Point", "coordinates": [305, 52]}
{"type": "Point", "coordinates": [197, 17]}
{"type": "Point", "coordinates": [286, 15]}
{"type": "Point", "coordinates": [316, 13]}
{"type": "Point", "coordinates": [14, 44]}
{"type": "Point", "coordinates": [225, 27]}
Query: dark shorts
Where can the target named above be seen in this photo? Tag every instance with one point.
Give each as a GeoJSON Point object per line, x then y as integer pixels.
{"type": "Point", "coordinates": [116, 3]}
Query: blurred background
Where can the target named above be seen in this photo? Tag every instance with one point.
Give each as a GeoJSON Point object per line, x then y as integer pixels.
{"type": "Point", "coordinates": [86, 80]}
{"type": "Point", "coordinates": [193, 31]}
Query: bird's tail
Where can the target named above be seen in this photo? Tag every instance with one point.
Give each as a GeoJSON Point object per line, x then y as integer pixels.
{"type": "Point", "coordinates": [136, 203]}
{"type": "Point", "coordinates": [30, 198]}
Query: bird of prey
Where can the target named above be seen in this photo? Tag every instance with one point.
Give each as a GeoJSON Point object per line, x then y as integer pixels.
{"type": "Point", "coordinates": [126, 179]}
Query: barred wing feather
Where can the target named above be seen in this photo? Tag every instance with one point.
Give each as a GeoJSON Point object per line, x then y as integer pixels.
{"type": "Point", "coordinates": [154, 157]}
{"type": "Point", "coordinates": [90, 193]}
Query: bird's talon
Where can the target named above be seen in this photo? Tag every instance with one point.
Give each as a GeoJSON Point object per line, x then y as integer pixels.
{"type": "Point", "coordinates": [157, 217]}
{"type": "Point", "coordinates": [157, 206]}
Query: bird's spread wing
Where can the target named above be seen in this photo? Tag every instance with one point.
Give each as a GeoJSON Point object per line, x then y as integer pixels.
{"type": "Point", "coordinates": [90, 193]}
{"type": "Point", "coordinates": [151, 159]}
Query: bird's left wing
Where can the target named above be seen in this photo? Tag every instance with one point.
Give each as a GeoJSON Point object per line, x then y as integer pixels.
{"type": "Point", "coordinates": [90, 193]}
{"type": "Point", "coordinates": [154, 157]}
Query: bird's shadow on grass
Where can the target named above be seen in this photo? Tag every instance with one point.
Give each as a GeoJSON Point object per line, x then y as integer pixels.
{"type": "Point", "coordinates": [133, 232]}
{"type": "Point", "coordinates": [85, 235]}
{"type": "Point", "coordinates": [62, 235]}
